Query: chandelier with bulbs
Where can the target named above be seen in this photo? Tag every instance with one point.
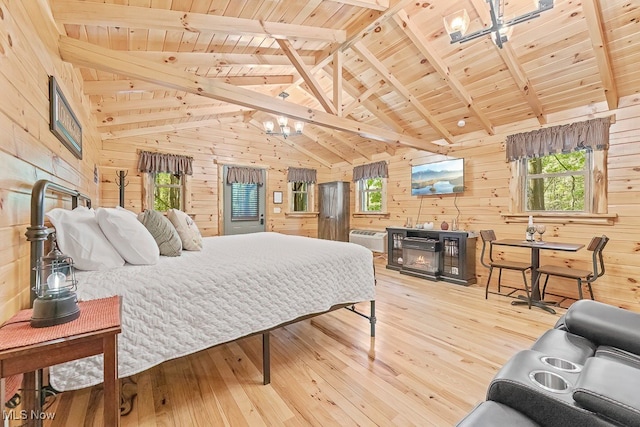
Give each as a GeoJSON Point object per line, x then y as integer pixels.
{"type": "Point", "coordinates": [457, 23]}
{"type": "Point", "coordinates": [283, 121]}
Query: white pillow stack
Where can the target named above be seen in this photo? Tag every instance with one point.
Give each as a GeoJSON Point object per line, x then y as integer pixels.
{"type": "Point", "coordinates": [80, 237]}
{"type": "Point", "coordinates": [187, 230]}
{"type": "Point", "coordinates": [128, 236]}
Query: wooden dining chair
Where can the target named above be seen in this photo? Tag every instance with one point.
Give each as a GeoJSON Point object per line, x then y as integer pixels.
{"type": "Point", "coordinates": [596, 245]}
{"type": "Point", "coordinates": [488, 236]}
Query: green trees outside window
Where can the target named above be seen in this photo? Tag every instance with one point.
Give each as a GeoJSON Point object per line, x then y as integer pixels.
{"type": "Point", "coordinates": [558, 182]}
{"type": "Point", "coordinates": [300, 195]}
{"type": "Point", "coordinates": [371, 195]}
{"type": "Point", "coordinates": [167, 191]}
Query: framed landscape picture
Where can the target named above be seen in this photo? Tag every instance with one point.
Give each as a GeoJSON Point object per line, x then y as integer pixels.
{"type": "Point", "coordinates": [62, 122]}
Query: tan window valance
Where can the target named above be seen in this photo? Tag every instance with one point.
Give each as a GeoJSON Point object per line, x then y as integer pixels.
{"type": "Point", "coordinates": [592, 134]}
{"type": "Point", "coordinates": [371, 170]}
{"type": "Point", "coordinates": [301, 175]}
{"type": "Point", "coordinates": [241, 175]}
{"type": "Point", "coordinates": [168, 163]}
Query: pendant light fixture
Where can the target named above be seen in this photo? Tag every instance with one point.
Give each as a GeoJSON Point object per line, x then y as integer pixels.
{"type": "Point", "coordinates": [283, 121]}
{"type": "Point", "coordinates": [457, 23]}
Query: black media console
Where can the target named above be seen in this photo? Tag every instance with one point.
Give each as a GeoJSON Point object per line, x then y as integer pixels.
{"type": "Point", "coordinates": [433, 254]}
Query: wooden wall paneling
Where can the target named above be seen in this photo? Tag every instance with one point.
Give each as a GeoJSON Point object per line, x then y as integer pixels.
{"type": "Point", "coordinates": [486, 196]}
{"type": "Point", "coordinates": [235, 144]}
{"type": "Point", "coordinates": [28, 150]}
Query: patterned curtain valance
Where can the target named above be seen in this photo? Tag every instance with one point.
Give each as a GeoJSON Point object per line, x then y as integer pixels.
{"type": "Point", "coordinates": [371, 170]}
{"type": "Point", "coordinates": [240, 175]}
{"type": "Point", "coordinates": [592, 134]}
{"type": "Point", "coordinates": [301, 175]}
{"type": "Point", "coordinates": [168, 163]}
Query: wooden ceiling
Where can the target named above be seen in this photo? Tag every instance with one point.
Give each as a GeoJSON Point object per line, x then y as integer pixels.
{"type": "Point", "coordinates": [368, 76]}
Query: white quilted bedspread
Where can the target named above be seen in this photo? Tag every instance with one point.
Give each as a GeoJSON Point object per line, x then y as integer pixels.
{"type": "Point", "coordinates": [235, 286]}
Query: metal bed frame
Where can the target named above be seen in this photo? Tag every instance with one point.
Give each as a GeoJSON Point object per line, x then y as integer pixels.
{"type": "Point", "coordinates": [37, 233]}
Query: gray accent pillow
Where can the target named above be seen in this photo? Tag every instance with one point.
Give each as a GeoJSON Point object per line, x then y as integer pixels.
{"type": "Point", "coordinates": [163, 232]}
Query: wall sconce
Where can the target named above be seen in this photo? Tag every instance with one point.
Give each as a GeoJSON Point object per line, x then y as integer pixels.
{"type": "Point", "coordinates": [283, 121]}
{"type": "Point", "coordinates": [56, 300]}
{"type": "Point", "coordinates": [457, 23]}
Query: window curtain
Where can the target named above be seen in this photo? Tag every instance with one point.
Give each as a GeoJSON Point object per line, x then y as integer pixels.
{"type": "Point", "coordinates": [371, 170]}
{"type": "Point", "coordinates": [240, 175]}
{"type": "Point", "coordinates": [167, 163]}
{"type": "Point", "coordinates": [592, 134]}
{"type": "Point", "coordinates": [301, 175]}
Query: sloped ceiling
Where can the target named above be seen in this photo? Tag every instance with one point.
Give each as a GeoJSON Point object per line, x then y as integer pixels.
{"type": "Point", "coordinates": [368, 76]}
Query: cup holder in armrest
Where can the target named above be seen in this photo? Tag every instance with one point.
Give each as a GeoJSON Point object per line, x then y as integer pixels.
{"type": "Point", "coordinates": [550, 381]}
{"type": "Point", "coordinates": [561, 364]}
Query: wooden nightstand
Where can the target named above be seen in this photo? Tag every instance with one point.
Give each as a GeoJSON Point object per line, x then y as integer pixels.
{"type": "Point", "coordinates": [24, 349]}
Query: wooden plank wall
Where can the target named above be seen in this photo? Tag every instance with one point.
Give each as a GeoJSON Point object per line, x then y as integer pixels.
{"type": "Point", "coordinates": [28, 150]}
{"type": "Point", "coordinates": [210, 150]}
{"type": "Point", "coordinates": [486, 197]}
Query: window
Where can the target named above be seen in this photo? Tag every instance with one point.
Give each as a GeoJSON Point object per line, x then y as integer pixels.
{"type": "Point", "coordinates": [244, 202]}
{"type": "Point", "coordinates": [371, 195]}
{"type": "Point", "coordinates": [560, 173]}
{"type": "Point", "coordinates": [558, 182]}
{"type": "Point", "coordinates": [165, 180]}
{"type": "Point", "coordinates": [301, 196]}
{"type": "Point", "coordinates": [167, 192]}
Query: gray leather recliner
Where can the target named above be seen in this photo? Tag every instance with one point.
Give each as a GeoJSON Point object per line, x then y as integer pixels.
{"type": "Point", "coordinates": [584, 372]}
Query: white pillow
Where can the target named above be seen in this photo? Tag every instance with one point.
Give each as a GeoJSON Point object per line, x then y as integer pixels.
{"type": "Point", "coordinates": [120, 208]}
{"type": "Point", "coordinates": [128, 236]}
{"type": "Point", "coordinates": [80, 237]}
{"type": "Point", "coordinates": [187, 230]}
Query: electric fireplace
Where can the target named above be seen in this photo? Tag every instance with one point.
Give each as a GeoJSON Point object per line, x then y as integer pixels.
{"type": "Point", "coordinates": [421, 257]}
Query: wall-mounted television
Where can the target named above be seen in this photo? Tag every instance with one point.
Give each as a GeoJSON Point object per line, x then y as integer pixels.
{"type": "Point", "coordinates": [444, 177]}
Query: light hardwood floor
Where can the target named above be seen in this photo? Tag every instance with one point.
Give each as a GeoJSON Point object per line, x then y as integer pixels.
{"type": "Point", "coordinates": [437, 347]}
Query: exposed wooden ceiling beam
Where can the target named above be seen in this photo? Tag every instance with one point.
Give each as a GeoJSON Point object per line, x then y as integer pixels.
{"type": "Point", "coordinates": [106, 106]}
{"type": "Point", "coordinates": [515, 68]}
{"type": "Point", "coordinates": [213, 59]}
{"type": "Point", "coordinates": [107, 120]}
{"type": "Point", "coordinates": [150, 130]}
{"type": "Point", "coordinates": [372, 108]}
{"type": "Point", "coordinates": [377, 65]}
{"type": "Point", "coordinates": [262, 80]}
{"type": "Point", "coordinates": [522, 81]}
{"type": "Point", "coordinates": [603, 59]}
{"type": "Point", "coordinates": [412, 31]}
{"type": "Point", "coordinates": [368, 4]}
{"type": "Point", "coordinates": [360, 29]}
{"type": "Point", "coordinates": [113, 15]}
{"type": "Point", "coordinates": [106, 87]}
{"type": "Point", "coordinates": [88, 55]}
{"type": "Point", "coordinates": [307, 76]}
{"type": "Point", "coordinates": [361, 98]}
{"type": "Point", "coordinates": [315, 136]}
{"type": "Point", "coordinates": [337, 136]}
{"type": "Point", "coordinates": [292, 144]}
{"type": "Point", "coordinates": [337, 82]}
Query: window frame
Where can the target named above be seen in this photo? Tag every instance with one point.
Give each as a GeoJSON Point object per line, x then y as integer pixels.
{"type": "Point", "coordinates": [360, 199]}
{"type": "Point", "coordinates": [587, 173]}
{"type": "Point", "coordinates": [598, 205]}
{"type": "Point", "coordinates": [310, 197]}
{"type": "Point", "coordinates": [149, 187]}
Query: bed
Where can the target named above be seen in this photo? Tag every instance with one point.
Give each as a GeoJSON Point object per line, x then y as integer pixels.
{"type": "Point", "coordinates": [237, 286]}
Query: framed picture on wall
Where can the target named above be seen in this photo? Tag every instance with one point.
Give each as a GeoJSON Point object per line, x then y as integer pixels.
{"type": "Point", "coordinates": [62, 122]}
{"type": "Point", "coordinates": [277, 197]}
